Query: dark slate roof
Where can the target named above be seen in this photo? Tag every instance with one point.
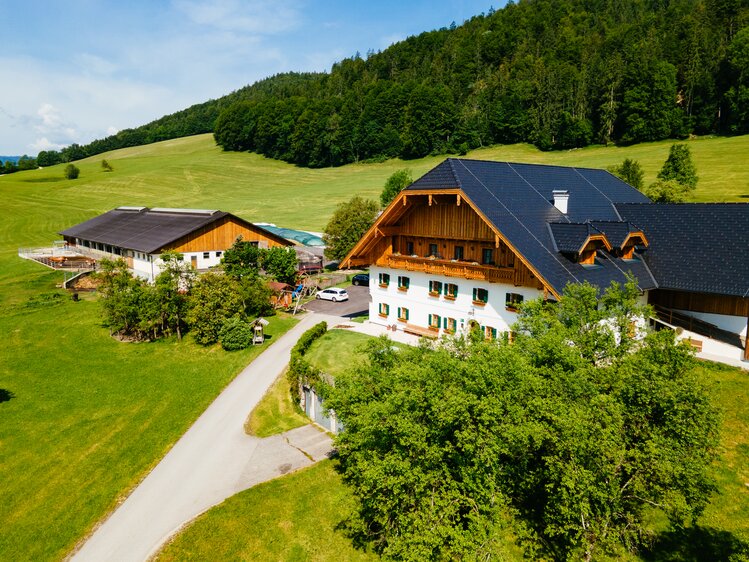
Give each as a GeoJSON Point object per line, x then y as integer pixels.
{"type": "Point", "coordinates": [698, 247]}
{"type": "Point", "coordinates": [616, 231]}
{"type": "Point", "coordinates": [517, 200]}
{"type": "Point", "coordinates": [145, 230]}
{"type": "Point", "coordinates": [571, 236]}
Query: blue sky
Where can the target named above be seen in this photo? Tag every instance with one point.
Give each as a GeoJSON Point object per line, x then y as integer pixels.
{"type": "Point", "coordinates": [78, 70]}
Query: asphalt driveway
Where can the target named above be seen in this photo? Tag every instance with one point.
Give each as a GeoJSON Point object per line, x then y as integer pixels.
{"type": "Point", "coordinates": [356, 305]}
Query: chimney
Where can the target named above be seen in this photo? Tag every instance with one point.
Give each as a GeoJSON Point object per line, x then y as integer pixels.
{"type": "Point", "coordinates": [561, 198]}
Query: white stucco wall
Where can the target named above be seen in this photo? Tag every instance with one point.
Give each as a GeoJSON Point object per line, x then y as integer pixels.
{"type": "Point", "coordinates": [420, 305]}
{"type": "Point", "coordinates": [148, 266]}
{"type": "Point", "coordinates": [212, 260]}
{"type": "Point", "coordinates": [143, 266]}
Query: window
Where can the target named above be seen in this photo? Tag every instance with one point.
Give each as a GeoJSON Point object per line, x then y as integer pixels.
{"type": "Point", "coordinates": [450, 325]}
{"type": "Point", "coordinates": [512, 300]}
{"type": "Point", "coordinates": [435, 288]}
{"type": "Point", "coordinates": [403, 283]}
{"type": "Point", "coordinates": [218, 254]}
{"type": "Point", "coordinates": [490, 333]}
{"type": "Point", "coordinates": [458, 253]}
{"type": "Point", "coordinates": [487, 256]}
{"type": "Point", "coordinates": [384, 279]}
{"type": "Point", "coordinates": [384, 310]}
{"type": "Point", "coordinates": [451, 291]}
{"type": "Point", "coordinates": [434, 321]}
{"type": "Point", "coordinates": [480, 296]}
{"type": "Point", "coordinates": [409, 248]}
{"type": "Point", "coordinates": [402, 314]}
{"type": "Point", "coordinates": [206, 255]}
{"type": "Point", "coordinates": [433, 251]}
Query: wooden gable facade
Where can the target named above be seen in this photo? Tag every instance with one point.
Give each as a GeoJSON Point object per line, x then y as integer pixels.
{"type": "Point", "coordinates": [221, 234]}
{"type": "Point", "coordinates": [442, 233]}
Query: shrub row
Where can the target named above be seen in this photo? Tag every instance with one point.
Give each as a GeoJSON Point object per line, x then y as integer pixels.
{"type": "Point", "coordinates": [300, 372]}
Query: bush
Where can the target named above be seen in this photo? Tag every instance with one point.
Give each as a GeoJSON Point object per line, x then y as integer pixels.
{"type": "Point", "coordinates": [235, 334]}
{"type": "Point", "coordinates": [71, 172]}
{"type": "Point", "coordinates": [300, 371]}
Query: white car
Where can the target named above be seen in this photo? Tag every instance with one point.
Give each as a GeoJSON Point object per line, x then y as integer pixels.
{"type": "Point", "coordinates": [333, 294]}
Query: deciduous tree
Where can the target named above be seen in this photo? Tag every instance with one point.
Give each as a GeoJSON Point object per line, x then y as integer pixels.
{"type": "Point", "coordinates": [572, 434]}
{"type": "Point", "coordinates": [629, 171]}
{"type": "Point", "coordinates": [348, 224]}
{"type": "Point", "coordinates": [394, 185]}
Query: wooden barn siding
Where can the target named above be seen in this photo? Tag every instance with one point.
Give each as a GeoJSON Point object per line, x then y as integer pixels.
{"type": "Point", "coordinates": [447, 221]}
{"type": "Point", "coordinates": [701, 302]}
{"type": "Point", "coordinates": [448, 225]}
{"type": "Point", "coordinates": [219, 236]}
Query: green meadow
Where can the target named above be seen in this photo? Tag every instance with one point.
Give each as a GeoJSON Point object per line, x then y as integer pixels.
{"type": "Point", "coordinates": [83, 417]}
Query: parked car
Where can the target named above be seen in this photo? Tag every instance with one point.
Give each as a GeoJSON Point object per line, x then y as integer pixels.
{"type": "Point", "coordinates": [333, 294]}
{"type": "Point", "coordinates": [360, 279]}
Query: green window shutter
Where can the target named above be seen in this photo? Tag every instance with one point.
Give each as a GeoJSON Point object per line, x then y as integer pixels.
{"type": "Point", "coordinates": [475, 294]}
{"type": "Point", "coordinates": [430, 319]}
{"type": "Point", "coordinates": [444, 323]}
{"type": "Point", "coordinates": [406, 313]}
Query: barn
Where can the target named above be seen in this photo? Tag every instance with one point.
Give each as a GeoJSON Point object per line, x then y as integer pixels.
{"type": "Point", "coordinates": [139, 235]}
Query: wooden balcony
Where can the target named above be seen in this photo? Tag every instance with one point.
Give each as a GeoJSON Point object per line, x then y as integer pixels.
{"type": "Point", "coordinates": [449, 268]}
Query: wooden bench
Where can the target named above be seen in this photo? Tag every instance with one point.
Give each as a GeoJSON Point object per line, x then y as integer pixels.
{"type": "Point", "coordinates": [419, 331]}
{"type": "Point", "coordinates": [696, 344]}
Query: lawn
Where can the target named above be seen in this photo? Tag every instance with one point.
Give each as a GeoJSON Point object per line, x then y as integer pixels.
{"type": "Point", "coordinates": [276, 412]}
{"type": "Point", "coordinates": [337, 350]}
{"type": "Point", "coordinates": [83, 417]}
{"type": "Point", "coordinates": [293, 518]}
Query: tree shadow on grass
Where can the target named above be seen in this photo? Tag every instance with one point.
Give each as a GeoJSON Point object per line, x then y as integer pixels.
{"type": "Point", "coordinates": [42, 180]}
{"type": "Point", "coordinates": [697, 544]}
{"type": "Point", "coordinates": [5, 395]}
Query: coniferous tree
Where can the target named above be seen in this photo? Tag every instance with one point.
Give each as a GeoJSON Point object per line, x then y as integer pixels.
{"type": "Point", "coordinates": [679, 167]}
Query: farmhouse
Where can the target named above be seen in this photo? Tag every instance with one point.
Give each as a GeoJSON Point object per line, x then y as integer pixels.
{"type": "Point", "coordinates": [140, 235]}
{"type": "Point", "coordinates": [470, 240]}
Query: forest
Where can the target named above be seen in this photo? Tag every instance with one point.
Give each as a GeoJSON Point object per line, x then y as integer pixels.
{"type": "Point", "coordinates": [556, 73]}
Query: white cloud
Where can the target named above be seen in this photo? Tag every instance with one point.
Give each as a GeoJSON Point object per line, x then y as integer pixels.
{"type": "Point", "coordinates": [253, 16]}
{"type": "Point", "coordinates": [44, 144]}
{"type": "Point", "coordinates": [112, 131]}
{"type": "Point", "coordinates": [50, 117]}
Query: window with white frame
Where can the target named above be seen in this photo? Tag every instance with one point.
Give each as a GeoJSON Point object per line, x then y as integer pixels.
{"type": "Point", "coordinates": [403, 283]}
{"type": "Point", "coordinates": [384, 279]}
{"type": "Point", "coordinates": [384, 310]}
{"type": "Point", "coordinates": [402, 314]}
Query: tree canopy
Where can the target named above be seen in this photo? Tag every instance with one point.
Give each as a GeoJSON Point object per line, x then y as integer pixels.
{"type": "Point", "coordinates": [397, 181]}
{"type": "Point", "coordinates": [631, 172]}
{"type": "Point", "coordinates": [348, 224]}
{"type": "Point", "coordinates": [573, 434]}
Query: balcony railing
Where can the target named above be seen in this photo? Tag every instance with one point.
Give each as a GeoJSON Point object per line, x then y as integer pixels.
{"type": "Point", "coordinates": [449, 268]}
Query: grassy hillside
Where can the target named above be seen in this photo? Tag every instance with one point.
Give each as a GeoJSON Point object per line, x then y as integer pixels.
{"type": "Point", "coordinates": [83, 417]}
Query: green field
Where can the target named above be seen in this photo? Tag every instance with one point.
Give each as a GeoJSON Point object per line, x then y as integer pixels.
{"type": "Point", "coordinates": [83, 417]}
